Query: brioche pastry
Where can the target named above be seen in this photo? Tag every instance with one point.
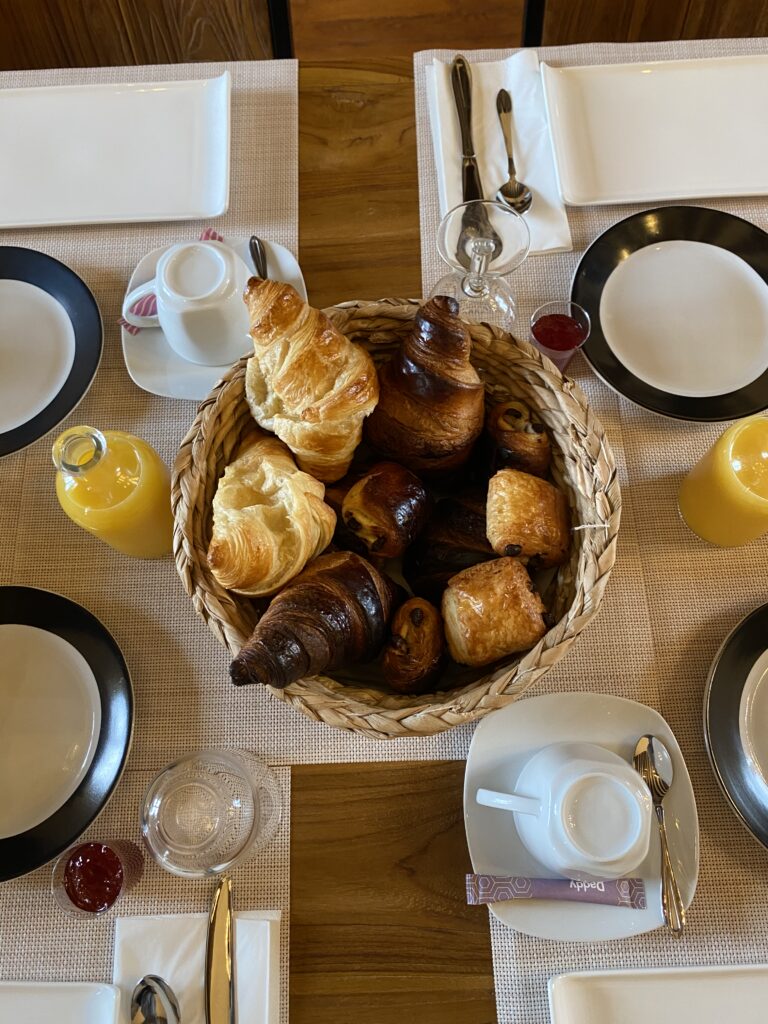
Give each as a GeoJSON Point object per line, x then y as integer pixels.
{"type": "Point", "coordinates": [333, 615]}
{"type": "Point", "coordinates": [431, 405]}
{"type": "Point", "coordinates": [527, 517]}
{"type": "Point", "coordinates": [414, 652]}
{"type": "Point", "coordinates": [306, 382]}
{"type": "Point", "coordinates": [386, 509]}
{"type": "Point", "coordinates": [269, 520]}
{"type": "Point", "coordinates": [490, 611]}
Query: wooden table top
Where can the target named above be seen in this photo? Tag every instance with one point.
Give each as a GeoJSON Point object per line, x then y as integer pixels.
{"type": "Point", "coordinates": [380, 930]}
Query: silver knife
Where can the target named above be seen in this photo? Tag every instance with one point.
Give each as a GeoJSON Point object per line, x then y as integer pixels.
{"type": "Point", "coordinates": [258, 255]}
{"type": "Point", "coordinates": [461, 81]}
{"type": "Point", "coordinates": [220, 958]}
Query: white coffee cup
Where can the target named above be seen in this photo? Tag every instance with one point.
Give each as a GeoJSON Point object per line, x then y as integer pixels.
{"type": "Point", "coordinates": [580, 810]}
{"type": "Point", "coordinates": [199, 288]}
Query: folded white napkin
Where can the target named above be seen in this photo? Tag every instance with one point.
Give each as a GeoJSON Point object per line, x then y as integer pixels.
{"type": "Point", "coordinates": [534, 161]}
{"type": "Point", "coordinates": [173, 946]}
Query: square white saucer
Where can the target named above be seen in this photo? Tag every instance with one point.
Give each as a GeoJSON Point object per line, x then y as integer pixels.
{"type": "Point", "coordinates": [152, 363]}
{"type": "Point", "coordinates": [502, 744]}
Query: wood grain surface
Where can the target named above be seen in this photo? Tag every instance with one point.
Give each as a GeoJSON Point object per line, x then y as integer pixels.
{"type": "Point", "coordinates": [103, 33]}
{"type": "Point", "coordinates": [380, 931]}
{"type": "Point", "coordinates": [358, 189]}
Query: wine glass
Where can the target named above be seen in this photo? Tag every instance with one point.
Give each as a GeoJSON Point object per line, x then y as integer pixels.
{"type": "Point", "coordinates": [481, 240]}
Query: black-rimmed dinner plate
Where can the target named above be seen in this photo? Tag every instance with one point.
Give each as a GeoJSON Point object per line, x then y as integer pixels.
{"type": "Point", "coordinates": [56, 614]}
{"type": "Point", "coordinates": [73, 309]}
{"type": "Point", "coordinates": [744, 790]}
{"type": "Point", "coordinates": [668, 224]}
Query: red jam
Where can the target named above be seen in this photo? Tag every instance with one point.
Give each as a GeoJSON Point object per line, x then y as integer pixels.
{"type": "Point", "coordinates": [93, 877]}
{"type": "Point", "coordinates": [559, 332]}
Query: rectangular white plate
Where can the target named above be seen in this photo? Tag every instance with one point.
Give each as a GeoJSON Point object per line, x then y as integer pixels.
{"type": "Point", "coordinates": [95, 154]}
{"type": "Point", "coordinates": [706, 995]}
{"type": "Point", "coordinates": [660, 130]}
{"type": "Point", "coordinates": [58, 1003]}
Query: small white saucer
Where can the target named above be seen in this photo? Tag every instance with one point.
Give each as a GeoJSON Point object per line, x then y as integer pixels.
{"type": "Point", "coordinates": [502, 744]}
{"type": "Point", "coordinates": [152, 363]}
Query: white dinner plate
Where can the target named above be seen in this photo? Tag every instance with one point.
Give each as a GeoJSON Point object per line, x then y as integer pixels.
{"type": "Point", "coordinates": [151, 362]}
{"type": "Point", "coordinates": [58, 1003]}
{"type": "Point", "coordinates": [97, 154]}
{"type": "Point", "coordinates": [706, 995]}
{"type": "Point", "coordinates": [669, 311]}
{"type": "Point", "coordinates": [503, 743]}
{"type": "Point", "coordinates": [652, 130]}
{"type": "Point", "coordinates": [49, 726]}
{"type": "Point", "coordinates": [753, 718]}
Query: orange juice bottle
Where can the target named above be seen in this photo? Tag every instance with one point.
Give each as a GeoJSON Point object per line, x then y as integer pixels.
{"type": "Point", "coordinates": [117, 487]}
{"type": "Point", "coordinates": [724, 498]}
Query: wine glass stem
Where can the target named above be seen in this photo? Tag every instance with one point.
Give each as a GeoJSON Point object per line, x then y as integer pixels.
{"type": "Point", "coordinates": [475, 284]}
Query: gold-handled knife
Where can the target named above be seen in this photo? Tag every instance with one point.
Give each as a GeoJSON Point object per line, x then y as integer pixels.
{"type": "Point", "coordinates": [220, 958]}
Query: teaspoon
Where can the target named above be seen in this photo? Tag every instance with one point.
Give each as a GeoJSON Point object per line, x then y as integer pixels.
{"type": "Point", "coordinates": [513, 193]}
{"type": "Point", "coordinates": [653, 762]}
{"type": "Point", "coordinates": [154, 1002]}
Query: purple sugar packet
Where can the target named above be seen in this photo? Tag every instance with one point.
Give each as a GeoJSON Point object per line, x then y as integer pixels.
{"type": "Point", "coordinates": [611, 892]}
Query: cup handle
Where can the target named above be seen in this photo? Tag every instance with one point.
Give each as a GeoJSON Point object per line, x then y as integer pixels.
{"type": "Point", "coordinates": [508, 801]}
{"type": "Point", "coordinates": [132, 298]}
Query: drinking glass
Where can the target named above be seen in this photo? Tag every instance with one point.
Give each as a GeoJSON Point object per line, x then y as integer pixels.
{"type": "Point", "coordinates": [210, 811]}
{"type": "Point", "coordinates": [724, 498]}
{"type": "Point", "coordinates": [559, 329]}
{"type": "Point", "coordinates": [480, 241]}
{"type": "Point", "coordinates": [90, 877]}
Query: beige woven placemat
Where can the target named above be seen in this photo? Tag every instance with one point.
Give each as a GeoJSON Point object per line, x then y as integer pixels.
{"type": "Point", "coordinates": [38, 942]}
{"type": "Point", "coordinates": [670, 602]}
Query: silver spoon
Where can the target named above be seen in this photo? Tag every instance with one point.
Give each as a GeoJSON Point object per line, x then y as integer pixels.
{"type": "Point", "coordinates": [154, 1002]}
{"type": "Point", "coordinates": [653, 762]}
{"type": "Point", "coordinates": [513, 193]}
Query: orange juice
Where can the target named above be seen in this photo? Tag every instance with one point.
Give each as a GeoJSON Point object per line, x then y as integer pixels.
{"type": "Point", "coordinates": [117, 487]}
{"type": "Point", "coordinates": [724, 498]}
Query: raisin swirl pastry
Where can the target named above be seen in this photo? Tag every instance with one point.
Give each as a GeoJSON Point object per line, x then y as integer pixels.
{"type": "Point", "coordinates": [519, 439]}
{"type": "Point", "coordinates": [415, 649]}
{"type": "Point", "coordinates": [386, 509]}
{"type": "Point", "coordinates": [431, 400]}
{"type": "Point", "coordinates": [334, 614]}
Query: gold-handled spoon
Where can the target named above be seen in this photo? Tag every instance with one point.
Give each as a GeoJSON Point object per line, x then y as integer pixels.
{"type": "Point", "coordinates": [653, 762]}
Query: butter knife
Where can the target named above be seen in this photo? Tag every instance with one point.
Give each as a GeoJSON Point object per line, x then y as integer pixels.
{"type": "Point", "coordinates": [461, 82]}
{"type": "Point", "coordinates": [219, 958]}
{"type": "Point", "coordinates": [258, 255]}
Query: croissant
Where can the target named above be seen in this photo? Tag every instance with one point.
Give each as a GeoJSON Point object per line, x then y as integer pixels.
{"type": "Point", "coordinates": [518, 438]}
{"type": "Point", "coordinates": [269, 520]}
{"type": "Point", "coordinates": [430, 408]}
{"type": "Point", "coordinates": [491, 611]}
{"type": "Point", "coordinates": [332, 615]}
{"type": "Point", "coordinates": [453, 539]}
{"type": "Point", "coordinates": [415, 649]}
{"type": "Point", "coordinates": [527, 517]}
{"type": "Point", "coordinates": [306, 382]}
{"type": "Point", "coordinates": [386, 509]}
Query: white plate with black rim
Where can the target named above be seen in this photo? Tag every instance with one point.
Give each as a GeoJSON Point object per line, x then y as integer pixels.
{"type": "Point", "coordinates": [678, 298]}
{"type": "Point", "coordinates": [50, 344]}
{"type": "Point", "coordinates": [64, 684]}
{"type": "Point", "coordinates": [736, 721]}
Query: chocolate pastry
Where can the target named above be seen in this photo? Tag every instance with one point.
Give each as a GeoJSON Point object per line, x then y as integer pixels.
{"type": "Point", "coordinates": [332, 615]}
{"type": "Point", "coordinates": [491, 611]}
{"type": "Point", "coordinates": [431, 406]}
{"type": "Point", "coordinates": [414, 652]}
{"type": "Point", "coordinates": [386, 509]}
{"type": "Point", "coordinates": [527, 518]}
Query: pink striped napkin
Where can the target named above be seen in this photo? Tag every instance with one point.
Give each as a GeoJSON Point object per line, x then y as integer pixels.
{"type": "Point", "coordinates": [147, 305]}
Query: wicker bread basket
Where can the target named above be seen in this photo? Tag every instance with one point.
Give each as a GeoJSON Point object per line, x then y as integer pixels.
{"type": "Point", "coordinates": [583, 467]}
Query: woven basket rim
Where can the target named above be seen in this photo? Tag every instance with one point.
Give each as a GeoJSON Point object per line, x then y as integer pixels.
{"type": "Point", "coordinates": [327, 700]}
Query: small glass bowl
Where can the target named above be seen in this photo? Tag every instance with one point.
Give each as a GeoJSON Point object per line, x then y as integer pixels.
{"type": "Point", "coordinates": [90, 877]}
{"type": "Point", "coordinates": [210, 811]}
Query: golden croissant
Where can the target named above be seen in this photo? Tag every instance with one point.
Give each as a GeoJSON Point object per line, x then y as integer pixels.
{"type": "Point", "coordinates": [269, 520]}
{"type": "Point", "coordinates": [306, 382]}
